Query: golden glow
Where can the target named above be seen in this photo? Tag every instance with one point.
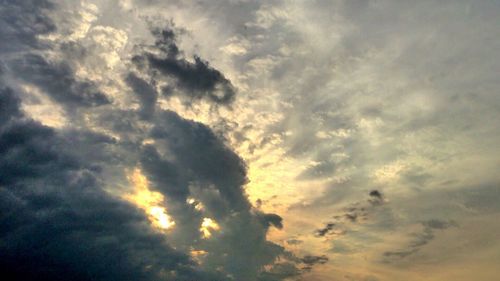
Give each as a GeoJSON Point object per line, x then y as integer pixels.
{"type": "Point", "coordinates": [150, 201]}
{"type": "Point", "coordinates": [198, 255]}
{"type": "Point", "coordinates": [197, 205]}
{"type": "Point", "coordinates": [207, 226]}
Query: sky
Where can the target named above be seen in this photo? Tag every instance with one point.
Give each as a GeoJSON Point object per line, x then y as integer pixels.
{"type": "Point", "coordinates": [244, 140]}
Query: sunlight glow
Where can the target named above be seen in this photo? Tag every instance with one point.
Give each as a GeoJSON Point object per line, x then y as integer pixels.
{"type": "Point", "coordinates": [198, 206]}
{"type": "Point", "coordinates": [149, 201]}
{"type": "Point", "coordinates": [207, 226]}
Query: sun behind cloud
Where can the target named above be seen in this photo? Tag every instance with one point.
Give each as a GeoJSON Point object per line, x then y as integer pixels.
{"type": "Point", "coordinates": [149, 201]}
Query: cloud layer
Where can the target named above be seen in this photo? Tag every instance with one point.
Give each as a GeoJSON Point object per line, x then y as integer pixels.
{"type": "Point", "coordinates": [62, 213]}
{"type": "Point", "coordinates": [249, 140]}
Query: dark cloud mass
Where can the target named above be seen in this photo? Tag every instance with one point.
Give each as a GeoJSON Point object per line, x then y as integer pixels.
{"type": "Point", "coordinates": [201, 166]}
{"type": "Point", "coordinates": [22, 21]}
{"type": "Point", "coordinates": [62, 216]}
{"type": "Point", "coordinates": [196, 80]}
{"type": "Point", "coordinates": [56, 221]}
{"type": "Point", "coordinates": [145, 92]}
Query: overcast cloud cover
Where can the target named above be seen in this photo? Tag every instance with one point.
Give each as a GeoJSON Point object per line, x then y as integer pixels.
{"type": "Point", "coordinates": [249, 140]}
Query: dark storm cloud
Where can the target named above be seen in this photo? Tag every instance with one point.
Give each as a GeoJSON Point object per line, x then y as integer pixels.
{"type": "Point", "coordinates": [9, 104]}
{"type": "Point", "coordinates": [145, 92]}
{"type": "Point", "coordinates": [196, 80]}
{"type": "Point", "coordinates": [27, 142]}
{"type": "Point", "coordinates": [58, 80]}
{"type": "Point", "coordinates": [203, 157]}
{"type": "Point", "coordinates": [422, 238]}
{"type": "Point", "coordinates": [189, 160]}
{"type": "Point", "coordinates": [21, 21]}
{"type": "Point", "coordinates": [57, 223]}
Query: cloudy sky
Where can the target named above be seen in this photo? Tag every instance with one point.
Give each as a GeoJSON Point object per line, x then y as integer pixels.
{"type": "Point", "coordinates": [243, 140]}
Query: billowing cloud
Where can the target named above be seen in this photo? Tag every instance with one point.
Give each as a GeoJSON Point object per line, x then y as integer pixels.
{"type": "Point", "coordinates": [81, 213]}
{"type": "Point", "coordinates": [57, 221]}
{"type": "Point", "coordinates": [195, 79]}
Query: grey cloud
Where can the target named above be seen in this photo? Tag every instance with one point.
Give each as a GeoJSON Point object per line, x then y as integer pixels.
{"type": "Point", "coordinates": [351, 216]}
{"type": "Point", "coordinates": [437, 62]}
{"type": "Point", "coordinates": [375, 193]}
{"type": "Point", "coordinates": [308, 262]}
{"type": "Point", "coordinates": [145, 92]}
{"type": "Point", "coordinates": [325, 230]}
{"type": "Point", "coordinates": [312, 260]}
{"type": "Point", "coordinates": [416, 176]}
{"type": "Point", "coordinates": [481, 198]}
{"type": "Point", "coordinates": [357, 212]}
{"type": "Point", "coordinates": [57, 79]}
{"type": "Point", "coordinates": [57, 223]}
{"type": "Point", "coordinates": [203, 157]}
{"type": "Point", "coordinates": [439, 224]}
{"type": "Point", "coordinates": [272, 220]}
{"type": "Point", "coordinates": [299, 266]}
{"type": "Point", "coordinates": [343, 248]}
{"type": "Point", "coordinates": [196, 80]}
{"type": "Point", "coordinates": [386, 56]}
{"type": "Point", "coordinates": [376, 197]}
{"type": "Point", "coordinates": [422, 238]}
{"type": "Point", "coordinates": [400, 254]}
{"type": "Point", "coordinates": [189, 160]}
{"type": "Point", "coordinates": [9, 104]}
{"type": "Point", "coordinates": [60, 222]}
{"type": "Point", "coordinates": [27, 142]}
{"type": "Point", "coordinates": [21, 21]}
{"type": "Point", "coordinates": [200, 165]}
